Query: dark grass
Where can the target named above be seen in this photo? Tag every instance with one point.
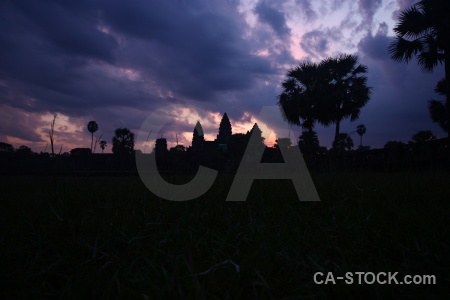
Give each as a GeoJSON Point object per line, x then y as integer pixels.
{"type": "Point", "coordinates": [102, 238]}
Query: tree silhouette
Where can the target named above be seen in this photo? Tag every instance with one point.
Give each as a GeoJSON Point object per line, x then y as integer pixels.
{"type": "Point", "coordinates": [423, 136]}
{"type": "Point", "coordinates": [391, 145]}
{"type": "Point", "coordinates": [92, 126]}
{"type": "Point", "coordinates": [6, 148]}
{"type": "Point", "coordinates": [423, 31]}
{"type": "Point", "coordinates": [437, 109]}
{"type": "Point", "coordinates": [346, 91]}
{"type": "Point", "coordinates": [102, 145]}
{"type": "Point", "coordinates": [308, 142]}
{"type": "Point", "coordinates": [24, 151]}
{"type": "Point", "coordinates": [224, 130]}
{"type": "Point", "coordinates": [160, 146]}
{"type": "Point", "coordinates": [344, 142]}
{"type": "Point", "coordinates": [283, 143]}
{"type": "Point", "coordinates": [326, 92]}
{"type": "Point", "coordinates": [301, 93]}
{"type": "Point", "coordinates": [361, 130]}
{"type": "Point", "coordinates": [123, 142]}
{"type": "Point", "coordinates": [178, 149]}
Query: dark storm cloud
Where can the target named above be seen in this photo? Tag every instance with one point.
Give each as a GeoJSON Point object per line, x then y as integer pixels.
{"type": "Point", "coordinates": [277, 39]}
{"type": "Point", "coordinates": [18, 124]}
{"type": "Point", "coordinates": [26, 59]}
{"type": "Point", "coordinates": [73, 32]}
{"type": "Point", "coordinates": [195, 50]}
{"type": "Point", "coordinates": [203, 46]}
{"type": "Point", "coordinates": [45, 52]}
{"type": "Point", "coordinates": [316, 42]}
{"type": "Point", "coordinates": [273, 17]}
{"type": "Point", "coordinates": [376, 46]}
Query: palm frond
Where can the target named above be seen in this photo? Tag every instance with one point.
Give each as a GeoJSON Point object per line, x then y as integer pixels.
{"type": "Point", "coordinates": [438, 113]}
{"type": "Point", "coordinates": [441, 87]}
{"type": "Point", "coordinates": [412, 23]}
{"type": "Point", "coordinates": [403, 50]}
{"type": "Point", "coordinates": [429, 60]}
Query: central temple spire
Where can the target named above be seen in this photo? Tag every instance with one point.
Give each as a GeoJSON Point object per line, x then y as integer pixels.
{"type": "Point", "coordinates": [224, 130]}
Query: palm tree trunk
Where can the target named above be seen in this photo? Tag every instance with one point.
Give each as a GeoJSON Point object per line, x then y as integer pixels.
{"type": "Point", "coordinates": [92, 141]}
{"type": "Point", "coordinates": [309, 147]}
{"type": "Point", "coordinates": [336, 134]}
{"type": "Point", "coordinates": [360, 141]}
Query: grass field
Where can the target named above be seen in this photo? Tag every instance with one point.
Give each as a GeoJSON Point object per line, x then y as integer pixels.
{"type": "Point", "coordinates": [98, 237]}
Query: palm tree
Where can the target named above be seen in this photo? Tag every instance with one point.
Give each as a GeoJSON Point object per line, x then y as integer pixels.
{"type": "Point", "coordinates": [325, 92]}
{"type": "Point", "coordinates": [103, 145]}
{"type": "Point", "coordinates": [123, 142]}
{"type": "Point", "coordinates": [361, 130]}
{"type": "Point", "coordinates": [438, 110]}
{"type": "Point", "coordinates": [300, 96]}
{"type": "Point", "coordinates": [92, 127]}
{"type": "Point", "coordinates": [423, 31]}
{"type": "Point", "coordinates": [346, 91]}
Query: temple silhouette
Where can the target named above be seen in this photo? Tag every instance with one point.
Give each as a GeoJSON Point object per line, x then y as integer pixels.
{"type": "Point", "coordinates": [223, 153]}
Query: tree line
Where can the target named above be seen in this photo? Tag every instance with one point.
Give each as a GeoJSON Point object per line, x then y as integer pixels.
{"type": "Point", "coordinates": [122, 142]}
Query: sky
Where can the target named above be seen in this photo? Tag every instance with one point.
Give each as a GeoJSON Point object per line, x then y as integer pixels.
{"type": "Point", "coordinates": [117, 62]}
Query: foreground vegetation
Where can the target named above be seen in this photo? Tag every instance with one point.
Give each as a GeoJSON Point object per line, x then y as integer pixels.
{"type": "Point", "coordinates": [98, 237]}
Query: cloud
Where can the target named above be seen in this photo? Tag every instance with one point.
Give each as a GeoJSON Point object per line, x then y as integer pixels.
{"type": "Point", "coordinates": [316, 43]}
{"type": "Point", "coordinates": [17, 123]}
{"type": "Point", "coordinates": [307, 9]}
{"type": "Point", "coordinates": [376, 46]}
{"type": "Point", "coordinates": [71, 31]}
{"type": "Point", "coordinates": [273, 17]}
{"type": "Point", "coordinates": [402, 5]}
{"type": "Point", "coordinates": [367, 9]}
